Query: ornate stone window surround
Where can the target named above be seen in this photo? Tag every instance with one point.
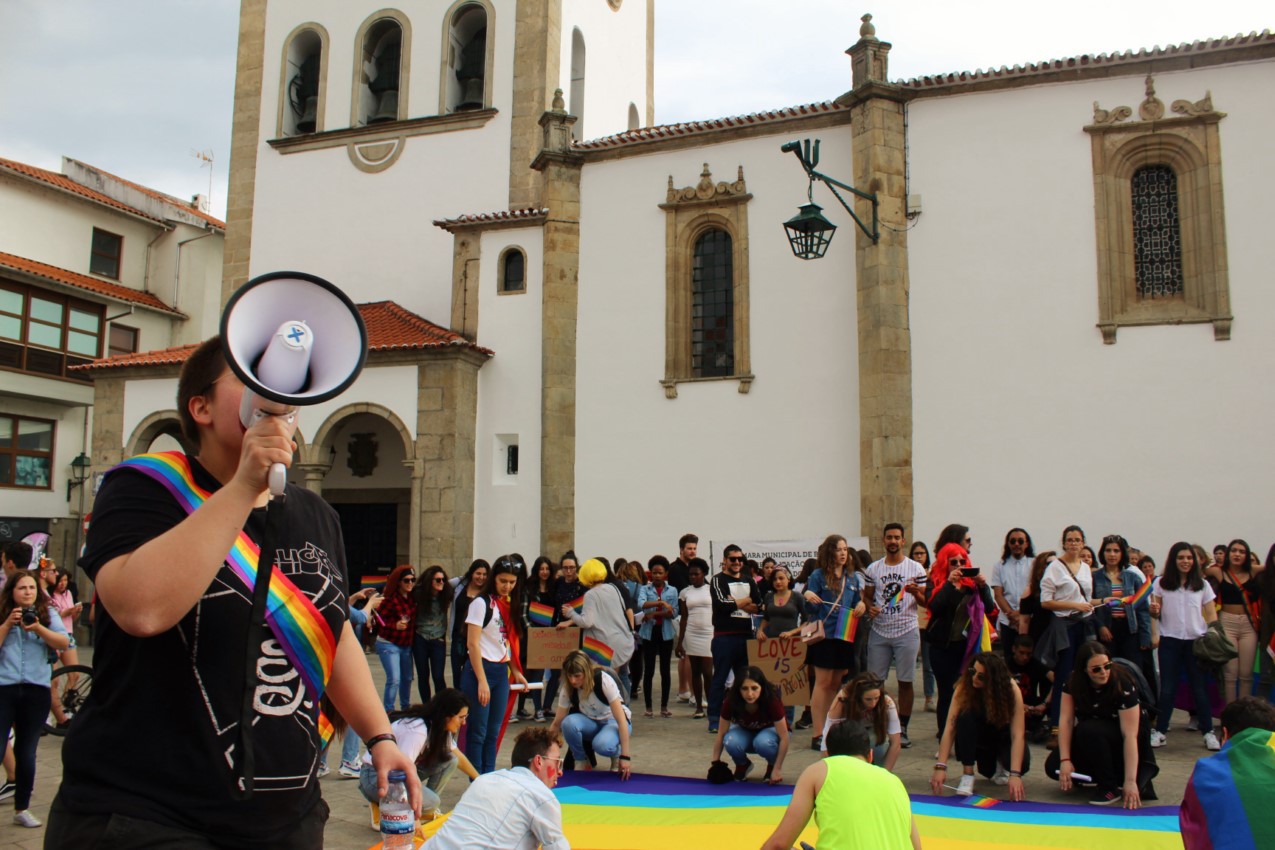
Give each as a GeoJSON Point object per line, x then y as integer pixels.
{"type": "Point", "coordinates": [1189, 144]}
{"type": "Point", "coordinates": [286, 73]}
{"type": "Point", "coordinates": [690, 212]}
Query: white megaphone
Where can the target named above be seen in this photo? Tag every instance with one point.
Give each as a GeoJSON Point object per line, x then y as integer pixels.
{"type": "Point", "coordinates": [294, 340]}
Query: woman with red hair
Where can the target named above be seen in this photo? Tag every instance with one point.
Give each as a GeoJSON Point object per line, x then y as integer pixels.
{"type": "Point", "coordinates": [959, 603]}
{"type": "Point", "coordinates": [395, 624]}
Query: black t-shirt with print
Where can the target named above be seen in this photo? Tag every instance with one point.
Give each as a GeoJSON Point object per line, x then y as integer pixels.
{"type": "Point", "coordinates": [158, 738]}
{"type": "Point", "coordinates": [1126, 697]}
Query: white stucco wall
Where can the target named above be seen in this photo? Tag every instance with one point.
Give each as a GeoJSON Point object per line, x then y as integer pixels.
{"type": "Point", "coordinates": [1022, 415]}
{"type": "Point", "coordinates": [778, 463]}
{"type": "Point", "coordinates": [68, 442]}
{"type": "Point", "coordinates": [615, 67]}
{"type": "Point", "coordinates": [507, 508]}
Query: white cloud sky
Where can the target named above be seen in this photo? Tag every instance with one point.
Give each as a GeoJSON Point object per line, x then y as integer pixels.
{"type": "Point", "coordinates": [134, 86]}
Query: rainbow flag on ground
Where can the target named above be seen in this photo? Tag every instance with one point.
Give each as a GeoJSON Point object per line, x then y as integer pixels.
{"type": "Point", "coordinates": [540, 614]}
{"type": "Point", "coordinates": [847, 625]}
{"type": "Point", "coordinates": [577, 604]}
{"type": "Point", "coordinates": [598, 651]}
{"type": "Point", "coordinates": [1228, 799]}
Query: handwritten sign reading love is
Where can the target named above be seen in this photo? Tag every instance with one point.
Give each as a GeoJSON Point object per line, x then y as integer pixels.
{"type": "Point", "coordinates": [783, 660]}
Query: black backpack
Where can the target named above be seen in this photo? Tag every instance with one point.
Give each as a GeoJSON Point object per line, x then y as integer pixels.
{"type": "Point", "coordinates": [1146, 698]}
{"type": "Point", "coordinates": [598, 673]}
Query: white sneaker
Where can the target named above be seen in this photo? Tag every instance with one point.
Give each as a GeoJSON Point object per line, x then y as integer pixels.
{"type": "Point", "coordinates": [966, 786]}
{"type": "Point", "coordinates": [1157, 738]}
{"type": "Point", "coordinates": [1193, 725]}
{"type": "Point", "coordinates": [1211, 742]}
{"type": "Point", "coordinates": [1001, 776]}
{"type": "Point", "coordinates": [323, 770]}
{"type": "Point", "coordinates": [687, 697]}
{"type": "Point", "coordinates": [25, 818]}
{"type": "Point", "coordinates": [348, 771]}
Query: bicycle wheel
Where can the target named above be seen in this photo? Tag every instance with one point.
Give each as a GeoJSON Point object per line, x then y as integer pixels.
{"type": "Point", "coordinates": [73, 695]}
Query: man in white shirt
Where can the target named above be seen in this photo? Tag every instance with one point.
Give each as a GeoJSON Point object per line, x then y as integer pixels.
{"type": "Point", "coordinates": [512, 809]}
{"type": "Point", "coordinates": [895, 585]}
{"type": "Point", "coordinates": [1010, 576]}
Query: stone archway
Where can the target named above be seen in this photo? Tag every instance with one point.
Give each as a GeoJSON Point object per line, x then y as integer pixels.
{"type": "Point", "coordinates": [163, 423]}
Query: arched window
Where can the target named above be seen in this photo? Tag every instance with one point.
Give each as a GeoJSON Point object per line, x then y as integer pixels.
{"type": "Point", "coordinates": [634, 120]}
{"type": "Point", "coordinates": [1157, 232]}
{"type": "Point", "coordinates": [304, 83]}
{"type": "Point", "coordinates": [466, 71]}
{"type": "Point", "coordinates": [576, 106]}
{"type": "Point", "coordinates": [712, 306]}
{"type": "Point", "coordinates": [380, 78]}
{"type": "Point", "coordinates": [513, 271]}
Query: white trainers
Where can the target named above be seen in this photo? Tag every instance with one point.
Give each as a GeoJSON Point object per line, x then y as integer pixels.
{"type": "Point", "coordinates": [348, 770]}
{"type": "Point", "coordinates": [686, 697]}
{"type": "Point", "coordinates": [1001, 776]}
{"type": "Point", "coordinates": [25, 818]}
{"type": "Point", "coordinates": [966, 786]}
{"type": "Point", "coordinates": [1193, 725]}
{"type": "Point", "coordinates": [323, 770]}
{"type": "Point", "coordinates": [1211, 742]}
{"type": "Point", "coordinates": [1157, 738]}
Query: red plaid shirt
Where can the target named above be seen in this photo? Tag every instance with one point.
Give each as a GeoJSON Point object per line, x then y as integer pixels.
{"type": "Point", "coordinates": [390, 612]}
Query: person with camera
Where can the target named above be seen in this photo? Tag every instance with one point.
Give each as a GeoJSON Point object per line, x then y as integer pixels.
{"type": "Point", "coordinates": [28, 631]}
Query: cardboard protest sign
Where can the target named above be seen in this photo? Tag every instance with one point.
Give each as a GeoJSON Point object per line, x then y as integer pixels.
{"type": "Point", "coordinates": [783, 660]}
{"type": "Point", "coordinates": [546, 648]}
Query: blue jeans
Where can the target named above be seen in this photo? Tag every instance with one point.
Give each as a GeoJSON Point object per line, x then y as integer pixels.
{"type": "Point", "coordinates": [579, 730]}
{"type": "Point", "coordinates": [397, 661]}
{"type": "Point", "coordinates": [350, 744]}
{"type": "Point", "coordinates": [430, 656]}
{"type": "Point", "coordinates": [1175, 656]}
{"type": "Point", "coordinates": [730, 652]}
{"type": "Point", "coordinates": [483, 732]}
{"type": "Point", "coordinates": [1062, 670]}
{"type": "Point", "coordinates": [740, 742]}
{"type": "Point", "coordinates": [927, 672]}
{"type": "Point", "coordinates": [367, 787]}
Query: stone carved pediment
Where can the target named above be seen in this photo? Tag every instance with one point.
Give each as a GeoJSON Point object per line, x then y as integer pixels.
{"type": "Point", "coordinates": [706, 191]}
{"type": "Point", "coordinates": [1152, 108]}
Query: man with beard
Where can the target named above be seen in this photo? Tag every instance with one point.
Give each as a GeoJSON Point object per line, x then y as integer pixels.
{"type": "Point", "coordinates": [1010, 576]}
{"type": "Point", "coordinates": [895, 586]}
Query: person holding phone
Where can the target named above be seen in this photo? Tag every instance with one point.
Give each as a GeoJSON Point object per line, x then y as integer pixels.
{"type": "Point", "coordinates": [957, 609]}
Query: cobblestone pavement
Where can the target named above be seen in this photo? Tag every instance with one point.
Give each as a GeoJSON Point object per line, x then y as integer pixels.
{"type": "Point", "coordinates": [677, 746]}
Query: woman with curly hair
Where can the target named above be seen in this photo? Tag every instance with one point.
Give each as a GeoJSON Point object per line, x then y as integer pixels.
{"type": "Point", "coordinates": [864, 700]}
{"type": "Point", "coordinates": [986, 724]}
{"type": "Point", "coordinates": [958, 608]}
{"type": "Point", "coordinates": [395, 630]}
{"type": "Point", "coordinates": [832, 588]}
{"type": "Point", "coordinates": [434, 595]}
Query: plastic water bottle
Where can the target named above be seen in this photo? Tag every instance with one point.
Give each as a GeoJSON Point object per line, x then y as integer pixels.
{"type": "Point", "coordinates": [398, 821]}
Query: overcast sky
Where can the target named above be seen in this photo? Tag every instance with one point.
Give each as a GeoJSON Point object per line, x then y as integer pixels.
{"type": "Point", "coordinates": [135, 86]}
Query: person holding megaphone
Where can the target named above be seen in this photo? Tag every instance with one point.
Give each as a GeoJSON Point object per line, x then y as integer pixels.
{"type": "Point", "coordinates": [222, 618]}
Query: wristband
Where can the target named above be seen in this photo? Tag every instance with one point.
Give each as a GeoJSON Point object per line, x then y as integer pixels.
{"type": "Point", "coordinates": [1015, 774]}
{"type": "Point", "coordinates": [625, 758]}
{"type": "Point", "coordinates": [376, 739]}
{"type": "Point", "coordinates": [1060, 761]}
{"type": "Point", "coordinates": [939, 765]}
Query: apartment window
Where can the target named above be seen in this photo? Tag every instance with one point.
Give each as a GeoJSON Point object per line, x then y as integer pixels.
{"type": "Point", "coordinates": [26, 453]}
{"type": "Point", "coordinates": [107, 249]}
{"type": "Point", "coordinates": [44, 332]}
{"type": "Point", "coordinates": [121, 340]}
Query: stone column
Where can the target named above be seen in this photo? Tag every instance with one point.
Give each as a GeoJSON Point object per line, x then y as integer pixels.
{"type": "Point", "coordinates": [108, 422]}
{"type": "Point", "coordinates": [881, 274]}
{"type": "Point", "coordinates": [417, 470]}
{"type": "Point", "coordinates": [243, 145]}
{"type": "Point", "coordinates": [561, 170]}
{"type": "Point", "coordinates": [313, 475]}
{"type": "Point", "coordinates": [443, 492]}
{"type": "Point", "coordinates": [537, 60]}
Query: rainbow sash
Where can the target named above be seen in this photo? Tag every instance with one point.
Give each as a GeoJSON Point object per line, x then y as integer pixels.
{"type": "Point", "coordinates": [303, 634]}
{"type": "Point", "coordinates": [540, 614]}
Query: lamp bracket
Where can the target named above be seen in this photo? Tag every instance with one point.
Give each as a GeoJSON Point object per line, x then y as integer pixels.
{"type": "Point", "coordinates": [808, 156]}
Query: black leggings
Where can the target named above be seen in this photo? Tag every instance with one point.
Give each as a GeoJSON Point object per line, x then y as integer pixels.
{"type": "Point", "coordinates": [945, 661]}
{"type": "Point", "coordinates": [24, 708]}
{"type": "Point", "coordinates": [650, 648]}
{"type": "Point", "coordinates": [985, 746]}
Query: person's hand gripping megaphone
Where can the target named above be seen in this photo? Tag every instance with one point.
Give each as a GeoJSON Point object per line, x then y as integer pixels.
{"type": "Point", "coordinates": [284, 366]}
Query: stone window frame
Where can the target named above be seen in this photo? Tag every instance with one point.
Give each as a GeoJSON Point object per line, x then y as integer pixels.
{"type": "Point", "coordinates": [500, 271]}
{"type": "Point", "coordinates": [489, 63]}
{"type": "Point", "coordinates": [1189, 143]}
{"type": "Point", "coordinates": [404, 67]}
{"type": "Point", "coordinates": [691, 211]}
{"type": "Point", "coordinates": [285, 76]}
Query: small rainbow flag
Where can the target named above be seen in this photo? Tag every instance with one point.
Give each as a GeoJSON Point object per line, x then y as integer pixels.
{"type": "Point", "coordinates": [981, 802]}
{"type": "Point", "coordinates": [540, 614]}
{"type": "Point", "coordinates": [374, 583]}
{"type": "Point", "coordinates": [598, 651]}
{"type": "Point", "coordinates": [577, 604]}
{"type": "Point", "coordinates": [1140, 594]}
{"type": "Point", "coordinates": [847, 625]}
{"type": "Point", "coordinates": [986, 634]}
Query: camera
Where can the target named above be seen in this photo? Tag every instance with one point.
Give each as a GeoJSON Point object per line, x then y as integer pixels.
{"type": "Point", "coordinates": [28, 615]}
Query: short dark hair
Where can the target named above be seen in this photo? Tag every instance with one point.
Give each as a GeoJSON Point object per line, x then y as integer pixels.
{"type": "Point", "coordinates": [894, 526]}
{"type": "Point", "coordinates": [848, 738]}
{"type": "Point", "coordinates": [19, 553]}
{"type": "Point", "coordinates": [768, 560]}
{"type": "Point", "coordinates": [731, 547]}
{"type": "Point", "coordinates": [531, 742]}
{"type": "Point", "coordinates": [657, 559]}
{"type": "Point", "coordinates": [1024, 640]}
{"type": "Point", "coordinates": [686, 538]}
{"type": "Point", "coordinates": [1248, 712]}
{"type": "Point", "coordinates": [199, 372]}
{"type": "Point", "coordinates": [698, 564]}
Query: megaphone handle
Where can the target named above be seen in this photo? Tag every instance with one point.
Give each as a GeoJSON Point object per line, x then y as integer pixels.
{"type": "Point", "coordinates": [278, 479]}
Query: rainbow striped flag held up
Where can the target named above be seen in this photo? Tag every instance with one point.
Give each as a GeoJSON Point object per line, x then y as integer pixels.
{"type": "Point", "coordinates": [540, 614]}
{"type": "Point", "coordinates": [1138, 595]}
{"type": "Point", "coordinates": [376, 583]}
{"type": "Point", "coordinates": [598, 651]}
{"type": "Point", "coordinates": [577, 604]}
{"type": "Point", "coordinates": [847, 625]}
{"type": "Point", "coordinates": [1228, 799]}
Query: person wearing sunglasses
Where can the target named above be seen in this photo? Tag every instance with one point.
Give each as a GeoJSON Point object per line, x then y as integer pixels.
{"type": "Point", "coordinates": [395, 630]}
{"type": "Point", "coordinates": [959, 607]}
{"type": "Point", "coordinates": [736, 597]}
{"type": "Point", "coordinates": [512, 808]}
{"type": "Point", "coordinates": [434, 594]}
{"type": "Point", "coordinates": [1104, 733]}
{"type": "Point", "coordinates": [986, 727]}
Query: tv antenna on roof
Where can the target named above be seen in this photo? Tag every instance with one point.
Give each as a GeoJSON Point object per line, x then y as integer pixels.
{"type": "Point", "coordinates": [206, 161]}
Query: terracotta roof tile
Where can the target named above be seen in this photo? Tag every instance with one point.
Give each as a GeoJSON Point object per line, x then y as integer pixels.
{"type": "Point", "coordinates": [65, 183]}
{"type": "Point", "coordinates": [1087, 60]}
{"type": "Point", "coordinates": [691, 128]}
{"type": "Point", "coordinates": [161, 196]}
{"type": "Point", "coordinates": [530, 215]}
{"type": "Point", "coordinates": [83, 281]}
{"type": "Point", "coordinates": [390, 327]}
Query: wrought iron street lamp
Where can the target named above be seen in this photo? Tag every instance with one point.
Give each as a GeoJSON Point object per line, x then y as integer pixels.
{"type": "Point", "coordinates": [79, 472]}
{"type": "Point", "coordinates": [809, 232]}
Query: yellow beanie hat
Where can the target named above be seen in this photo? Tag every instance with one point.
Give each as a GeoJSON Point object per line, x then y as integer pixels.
{"type": "Point", "coordinates": [592, 572]}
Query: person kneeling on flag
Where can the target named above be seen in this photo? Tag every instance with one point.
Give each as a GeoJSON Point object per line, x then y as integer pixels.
{"type": "Point", "coordinates": [591, 711]}
{"type": "Point", "coordinates": [986, 724]}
